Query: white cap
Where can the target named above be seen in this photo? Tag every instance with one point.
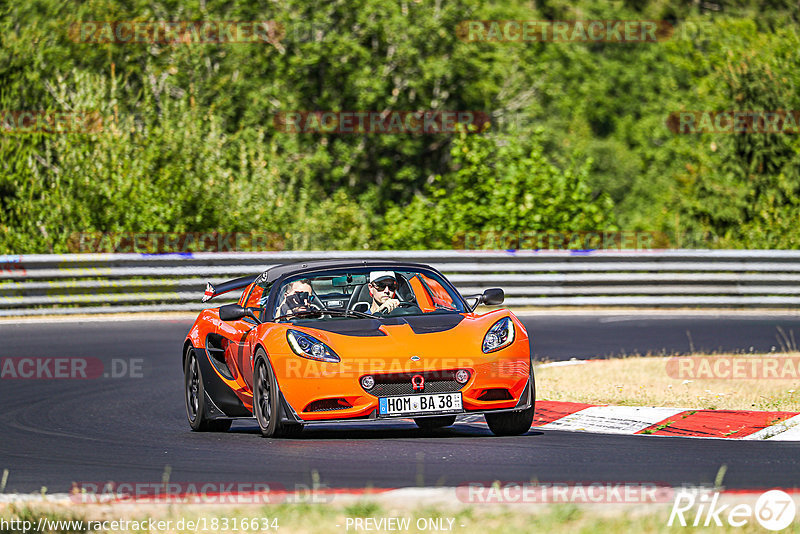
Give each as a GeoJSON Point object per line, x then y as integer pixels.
{"type": "Point", "coordinates": [374, 276]}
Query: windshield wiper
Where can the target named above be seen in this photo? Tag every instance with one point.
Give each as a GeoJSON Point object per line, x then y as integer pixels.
{"type": "Point", "coordinates": [318, 313]}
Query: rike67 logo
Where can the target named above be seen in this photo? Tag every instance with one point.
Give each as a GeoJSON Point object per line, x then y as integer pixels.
{"type": "Point", "coordinates": [773, 510]}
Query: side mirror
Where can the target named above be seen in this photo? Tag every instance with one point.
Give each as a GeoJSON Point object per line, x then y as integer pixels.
{"type": "Point", "coordinates": [234, 312]}
{"type": "Point", "coordinates": [491, 297]}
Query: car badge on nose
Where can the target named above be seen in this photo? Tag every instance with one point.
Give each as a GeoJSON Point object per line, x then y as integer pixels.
{"type": "Point", "coordinates": [415, 358]}
{"type": "Point", "coordinates": [418, 382]}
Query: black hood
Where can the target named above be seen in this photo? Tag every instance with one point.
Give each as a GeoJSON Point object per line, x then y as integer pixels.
{"type": "Point", "coordinates": [421, 324]}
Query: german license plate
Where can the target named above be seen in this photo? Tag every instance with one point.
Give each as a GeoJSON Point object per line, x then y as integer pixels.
{"type": "Point", "coordinates": [420, 404]}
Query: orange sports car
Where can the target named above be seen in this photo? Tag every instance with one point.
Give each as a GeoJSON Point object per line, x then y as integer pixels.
{"type": "Point", "coordinates": [335, 341]}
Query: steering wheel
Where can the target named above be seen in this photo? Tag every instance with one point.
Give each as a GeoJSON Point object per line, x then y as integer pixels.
{"type": "Point", "coordinates": [309, 306]}
{"type": "Point", "coordinates": [403, 304]}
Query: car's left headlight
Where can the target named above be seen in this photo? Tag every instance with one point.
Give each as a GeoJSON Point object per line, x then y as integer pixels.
{"type": "Point", "coordinates": [310, 347]}
{"type": "Point", "coordinates": [500, 335]}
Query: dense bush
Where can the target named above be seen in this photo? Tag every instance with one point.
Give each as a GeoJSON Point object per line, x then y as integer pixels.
{"type": "Point", "coordinates": [579, 138]}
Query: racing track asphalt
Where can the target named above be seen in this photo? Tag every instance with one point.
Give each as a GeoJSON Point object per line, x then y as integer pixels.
{"type": "Point", "coordinates": [56, 432]}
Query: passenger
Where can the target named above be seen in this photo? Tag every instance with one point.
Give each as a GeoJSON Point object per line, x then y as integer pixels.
{"type": "Point", "coordinates": [382, 288]}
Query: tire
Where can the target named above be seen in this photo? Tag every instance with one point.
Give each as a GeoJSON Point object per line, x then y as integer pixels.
{"type": "Point", "coordinates": [432, 423]}
{"type": "Point", "coordinates": [265, 401]}
{"type": "Point", "coordinates": [195, 396]}
{"type": "Point", "coordinates": [516, 422]}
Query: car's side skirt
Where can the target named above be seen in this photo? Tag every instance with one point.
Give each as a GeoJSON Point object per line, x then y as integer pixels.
{"type": "Point", "coordinates": [221, 396]}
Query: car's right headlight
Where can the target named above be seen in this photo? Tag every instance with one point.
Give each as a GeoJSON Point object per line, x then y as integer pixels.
{"type": "Point", "coordinates": [310, 347]}
{"type": "Point", "coordinates": [500, 335]}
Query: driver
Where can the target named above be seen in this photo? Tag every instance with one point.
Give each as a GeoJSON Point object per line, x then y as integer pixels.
{"type": "Point", "coordinates": [382, 287]}
{"type": "Point", "coordinates": [298, 295]}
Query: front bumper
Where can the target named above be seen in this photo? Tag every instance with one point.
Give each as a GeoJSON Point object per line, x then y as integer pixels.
{"type": "Point", "coordinates": [367, 409]}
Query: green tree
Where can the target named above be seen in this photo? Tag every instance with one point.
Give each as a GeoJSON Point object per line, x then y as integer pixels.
{"type": "Point", "coordinates": [499, 183]}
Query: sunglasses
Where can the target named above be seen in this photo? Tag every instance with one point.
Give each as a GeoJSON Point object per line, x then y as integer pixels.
{"type": "Point", "coordinates": [381, 286]}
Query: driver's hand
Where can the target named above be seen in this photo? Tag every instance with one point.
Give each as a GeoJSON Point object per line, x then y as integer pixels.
{"type": "Point", "coordinates": [388, 306]}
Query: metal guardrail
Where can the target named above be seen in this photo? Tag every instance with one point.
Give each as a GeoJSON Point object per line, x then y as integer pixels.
{"type": "Point", "coordinates": [94, 283]}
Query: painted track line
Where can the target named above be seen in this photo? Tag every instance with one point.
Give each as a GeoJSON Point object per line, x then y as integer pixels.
{"type": "Point", "coordinates": [660, 421]}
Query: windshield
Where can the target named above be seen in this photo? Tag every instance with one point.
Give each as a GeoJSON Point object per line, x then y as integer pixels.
{"type": "Point", "coordinates": [365, 293]}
